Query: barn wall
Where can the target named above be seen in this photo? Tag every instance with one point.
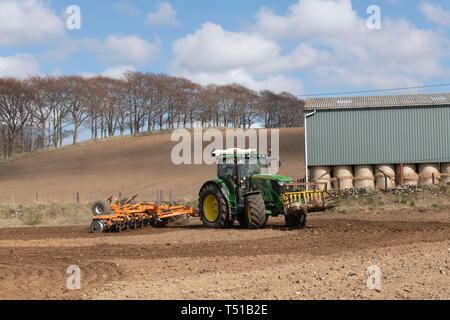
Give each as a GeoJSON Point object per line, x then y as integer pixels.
{"type": "Point", "coordinates": [379, 136]}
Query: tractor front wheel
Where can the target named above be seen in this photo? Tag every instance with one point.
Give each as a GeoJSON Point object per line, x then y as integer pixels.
{"type": "Point", "coordinates": [213, 207]}
{"type": "Point", "coordinates": [255, 212]}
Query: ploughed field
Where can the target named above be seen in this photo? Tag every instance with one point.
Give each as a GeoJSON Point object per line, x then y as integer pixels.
{"type": "Point", "coordinates": [327, 260]}
{"type": "Point", "coordinates": [141, 165]}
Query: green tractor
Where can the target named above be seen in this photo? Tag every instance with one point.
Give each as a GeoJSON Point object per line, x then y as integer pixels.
{"type": "Point", "coordinates": [244, 191]}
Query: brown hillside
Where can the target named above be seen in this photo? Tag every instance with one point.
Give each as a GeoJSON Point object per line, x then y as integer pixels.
{"type": "Point", "coordinates": [133, 165]}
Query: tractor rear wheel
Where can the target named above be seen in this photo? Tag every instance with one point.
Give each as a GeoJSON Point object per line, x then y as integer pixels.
{"type": "Point", "coordinates": [213, 207]}
{"type": "Point", "coordinates": [296, 221]}
{"type": "Point", "coordinates": [255, 211]}
{"type": "Point", "coordinates": [101, 208]}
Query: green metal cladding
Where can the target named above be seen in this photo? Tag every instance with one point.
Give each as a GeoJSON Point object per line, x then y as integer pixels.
{"type": "Point", "coordinates": [386, 135]}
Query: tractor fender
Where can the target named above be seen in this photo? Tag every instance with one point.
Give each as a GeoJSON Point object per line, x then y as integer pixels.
{"type": "Point", "coordinates": [222, 189]}
{"type": "Point", "coordinates": [219, 185]}
{"type": "Point", "coordinates": [251, 193]}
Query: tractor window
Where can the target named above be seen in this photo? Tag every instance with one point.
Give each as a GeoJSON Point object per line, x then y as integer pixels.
{"type": "Point", "coordinates": [254, 166]}
{"type": "Point", "coordinates": [226, 173]}
{"type": "Point", "coordinates": [226, 170]}
{"type": "Point", "coordinates": [248, 166]}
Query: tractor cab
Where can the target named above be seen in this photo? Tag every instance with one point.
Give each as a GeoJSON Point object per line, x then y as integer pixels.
{"type": "Point", "coordinates": [245, 165]}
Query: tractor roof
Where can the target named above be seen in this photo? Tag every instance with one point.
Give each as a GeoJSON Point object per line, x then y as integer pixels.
{"type": "Point", "coordinates": [239, 152]}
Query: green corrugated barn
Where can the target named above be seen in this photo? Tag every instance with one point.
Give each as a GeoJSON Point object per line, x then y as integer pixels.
{"type": "Point", "coordinates": [378, 130]}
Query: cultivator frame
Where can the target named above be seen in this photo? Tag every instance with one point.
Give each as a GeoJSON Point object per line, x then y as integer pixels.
{"type": "Point", "coordinates": [123, 214]}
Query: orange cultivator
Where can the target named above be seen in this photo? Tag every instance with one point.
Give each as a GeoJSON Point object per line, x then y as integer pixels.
{"type": "Point", "coordinates": [124, 214]}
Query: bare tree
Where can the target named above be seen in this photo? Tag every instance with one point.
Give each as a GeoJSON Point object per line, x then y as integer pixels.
{"type": "Point", "coordinates": [46, 99]}
{"type": "Point", "coordinates": [39, 112]}
{"type": "Point", "coordinates": [15, 100]}
{"type": "Point", "coordinates": [76, 102]}
{"type": "Point", "coordinates": [281, 110]}
{"type": "Point", "coordinates": [137, 94]}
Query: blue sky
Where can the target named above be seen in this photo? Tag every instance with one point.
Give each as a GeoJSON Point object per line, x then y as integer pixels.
{"type": "Point", "coordinates": [301, 46]}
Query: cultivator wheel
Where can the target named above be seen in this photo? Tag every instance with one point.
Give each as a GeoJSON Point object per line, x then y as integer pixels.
{"type": "Point", "coordinates": [98, 226]}
{"type": "Point", "coordinates": [100, 208]}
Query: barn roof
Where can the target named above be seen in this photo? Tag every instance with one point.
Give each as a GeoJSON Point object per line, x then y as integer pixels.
{"type": "Point", "coordinates": [433, 99]}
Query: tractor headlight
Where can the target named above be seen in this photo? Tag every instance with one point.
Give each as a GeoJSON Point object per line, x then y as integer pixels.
{"type": "Point", "coordinates": [281, 184]}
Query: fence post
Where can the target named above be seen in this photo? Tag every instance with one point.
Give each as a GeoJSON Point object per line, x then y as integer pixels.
{"type": "Point", "coordinates": [78, 197]}
{"type": "Point", "coordinates": [385, 182]}
{"type": "Point", "coordinates": [432, 177]}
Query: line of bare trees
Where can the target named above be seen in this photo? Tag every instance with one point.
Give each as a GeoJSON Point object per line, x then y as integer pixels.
{"type": "Point", "coordinates": [42, 112]}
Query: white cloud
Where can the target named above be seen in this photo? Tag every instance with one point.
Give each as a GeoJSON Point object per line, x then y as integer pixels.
{"type": "Point", "coordinates": [435, 13]}
{"type": "Point", "coordinates": [302, 58]}
{"type": "Point", "coordinates": [127, 8]}
{"type": "Point", "coordinates": [116, 72]}
{"type": "Point", "coordinates": [277, 83]}
{"type": "Point", "coordinates": [329, 44]}
{"type": "Point", "coordinates": [66, 47]}
{"type": "Point", "coordinates": [343, 51]}
{"type": "Point", "coordinates": [19, 66]}
{"type": "Point", "coordinates": [308, 18]}
{"type": "Point", "coordinates": [211, 48]}
{"type": "Point", "coordinates": [164, 15]}
{"type": "Point", "coordinates": [212, 55]}
{"type": "Point", "coordinates": [114, 50]}
{"type": "Point", "coordinates": [88, 74]}
{"type": "Point", "coordinates": [28, 22]}
{"type": "Point", "coordinates": [128, 50]}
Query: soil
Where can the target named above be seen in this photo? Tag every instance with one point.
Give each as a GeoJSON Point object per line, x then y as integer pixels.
{"type": "Point", "coordinates": [327, 260]}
